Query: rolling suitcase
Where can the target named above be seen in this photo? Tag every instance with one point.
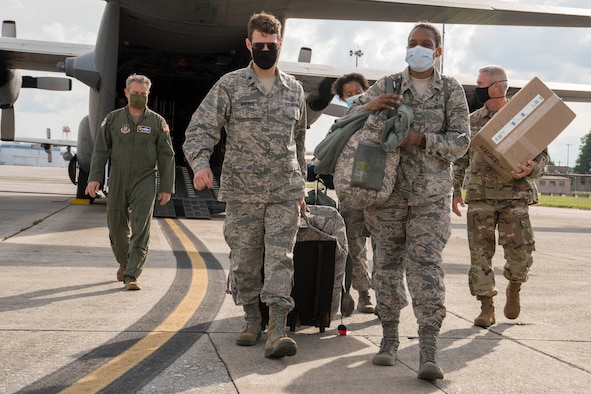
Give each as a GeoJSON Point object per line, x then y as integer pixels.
{"type": "Point", "coordinates": [320, 256]}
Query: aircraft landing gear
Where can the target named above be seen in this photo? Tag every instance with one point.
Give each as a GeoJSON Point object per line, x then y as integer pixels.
{"type": "Point", "coordinates": [74, 171]}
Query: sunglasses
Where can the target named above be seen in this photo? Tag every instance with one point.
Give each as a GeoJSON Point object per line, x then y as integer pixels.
{"type": "Point", "coordinates": [259, 46]}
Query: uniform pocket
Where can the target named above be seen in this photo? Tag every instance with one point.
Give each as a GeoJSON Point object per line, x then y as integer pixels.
{"type": "Point", "coordinates": [292, 113]}
{"type": "Point", "coordinates": [248, 112]}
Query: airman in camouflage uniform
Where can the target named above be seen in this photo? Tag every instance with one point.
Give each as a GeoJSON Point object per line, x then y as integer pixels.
{"type": "Point", "coordinates": [263, 178]}
{"type": "Point", "coordinates": [136, 141]}
{"type": "Point", "coordinates": [494, 202]}
{"type": "Point", "coordinates": [357, 236]}
{"type": "Point", "coordinates": [413, 226]}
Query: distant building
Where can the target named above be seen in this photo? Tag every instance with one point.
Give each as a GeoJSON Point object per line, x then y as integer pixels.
{"type": "Point", "coordinates": [564, 184]}
{"type": "Point", "coordinates": [556, 170]}
{"type": "Point", "coordinates": [553, 184]}
{"type": "Point", "coordinates": [580, 182]}
{"type": "Point", "coordinates": [24, 154]}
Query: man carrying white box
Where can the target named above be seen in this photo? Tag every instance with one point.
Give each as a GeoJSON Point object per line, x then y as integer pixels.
{"type": "Point", "coordinates": [496, 203]}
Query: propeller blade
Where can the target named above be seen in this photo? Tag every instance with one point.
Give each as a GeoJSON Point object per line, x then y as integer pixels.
{"type": "Point", "coordinates": [47, 83]}
{"type": "Point", "coordinates": [7, 124]}
{"type": "Point", "coordinates": [9, 29]}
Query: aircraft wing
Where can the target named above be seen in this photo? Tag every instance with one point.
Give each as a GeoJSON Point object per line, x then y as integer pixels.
{"type": "Point", "coordinates": [476, 12]}
{"type": "Point", "coordinates": [566, 91]}
{"type": "Point", "coordinates": [39, 55]}
{"type": "Point", "coordinates": [46, 141]}
{"type": "Point", "coordinates": [317, 80]}
{"type": "Point", "coordinates": [471, 12]}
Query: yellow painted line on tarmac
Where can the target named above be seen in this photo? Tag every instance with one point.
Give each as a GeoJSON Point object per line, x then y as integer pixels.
{"type": "Point", "coordinates": [80, 201]}
{"type": "Point", "coordinates": [118, 366]}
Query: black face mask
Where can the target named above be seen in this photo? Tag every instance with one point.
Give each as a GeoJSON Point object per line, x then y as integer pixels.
{"type": "Point", "coordinates": [264, 59]}
{"type": "Point", "coordinates": [482, 94]}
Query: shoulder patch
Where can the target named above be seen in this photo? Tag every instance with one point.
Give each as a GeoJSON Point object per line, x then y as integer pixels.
{"type": "Point", "coordinates": [165, 127]}
{"type": "Point", "coordinates": [125, 128]}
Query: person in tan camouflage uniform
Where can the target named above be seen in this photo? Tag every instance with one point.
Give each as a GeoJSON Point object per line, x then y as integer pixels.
{"type": "Point", "coordinates": [413, 226]}
{"type": "Point", "coordinates": [496, 203]}
{"type": "Point", "coordinates": [263, 111]}
{"type": "Point", "coordinates": [347, 88]}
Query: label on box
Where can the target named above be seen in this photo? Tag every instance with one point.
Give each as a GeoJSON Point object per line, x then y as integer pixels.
{"type": "Point", "coordinates": [517, 119]}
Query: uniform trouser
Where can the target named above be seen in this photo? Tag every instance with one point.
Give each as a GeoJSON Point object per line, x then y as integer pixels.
{"type": "Point", "coordinates": [257, 233]}
{"type": "Point", "coordinates": [355, 224]}
{"type": "Point", "coordinates": [410, 238]}
{"type": "Point", "coordinates": [511, 217]}
{"type": "Point", "coordinates": [129, 215]}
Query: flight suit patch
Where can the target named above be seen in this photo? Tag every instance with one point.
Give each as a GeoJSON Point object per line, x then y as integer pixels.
{"type": "Point", "coordinates": [165, 127]}
{"type": "Point", "coordinates": [125, 129]}
{"type": "Point", "coordinates": [144, 129]}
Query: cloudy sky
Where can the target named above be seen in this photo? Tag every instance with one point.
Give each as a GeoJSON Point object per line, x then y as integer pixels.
{"type": "Point", "coordinates": [552, 54]}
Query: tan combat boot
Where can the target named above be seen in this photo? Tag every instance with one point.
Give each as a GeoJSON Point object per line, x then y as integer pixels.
{"type": "Point", "coordinates": [278, 343]}
{"type": "Point", "coordinates": [364, 305]}
{"type": "Point", "coordinates": [428, 368]}
{"type": "Point", "coordinates": [251, 330]}
{"type": "Point", "coordinates": [487, 313]}
{"type": "Point", "coordinates": [389, 346]}
{"type": "Point", "coordinates": [512, 307]}
{"type": "Point", "coordinates": [120, 273]}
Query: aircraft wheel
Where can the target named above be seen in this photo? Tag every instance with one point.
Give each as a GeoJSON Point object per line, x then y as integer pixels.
{"type": "Point", "coordinates": [82, 181]}
{"type": "Point", "coordinates": [72, 167]}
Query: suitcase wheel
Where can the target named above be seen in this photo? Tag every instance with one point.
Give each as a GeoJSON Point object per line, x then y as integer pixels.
{"type": "Point", "coordinates": [292, 321]}
{"type": "Point", "coordinates": [324, 321]}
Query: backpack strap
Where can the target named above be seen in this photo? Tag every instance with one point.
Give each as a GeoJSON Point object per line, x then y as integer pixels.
{"type": "Point", "coordinates": [446, 94]}
{"type": "Point", "coordinates": [393, 86]}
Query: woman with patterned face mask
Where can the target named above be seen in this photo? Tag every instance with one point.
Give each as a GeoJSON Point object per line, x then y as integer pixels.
{"type": "Point", "coordinates": [348, 88]}
{"type": "Point", "coordinates": [413, 226]}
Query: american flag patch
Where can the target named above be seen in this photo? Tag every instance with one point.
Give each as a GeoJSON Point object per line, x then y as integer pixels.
{"type": "Point", "coordinates": [165, 127]}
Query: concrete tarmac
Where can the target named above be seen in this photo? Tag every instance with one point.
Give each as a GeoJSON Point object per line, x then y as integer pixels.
{"type": "Point", "coordinates": [67, 325]}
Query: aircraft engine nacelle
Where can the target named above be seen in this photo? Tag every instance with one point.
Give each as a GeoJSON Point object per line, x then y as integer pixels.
{"type": "Point", "coordinates": [319, 100]}
{"type": "Point", "coordinates": [10, 86]}
{"type": "Point", "coordinates": [315, 107]}
{"type": "Point", "coordinates": [47, 148]}
{"type": "Point", "coordinates": [11, 83]}
{"type": "Point", "coordinates": [83, 69]}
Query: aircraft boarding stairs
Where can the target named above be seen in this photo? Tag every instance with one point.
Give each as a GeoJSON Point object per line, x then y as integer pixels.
{"type": "Point", "coordinates": [189, 202]}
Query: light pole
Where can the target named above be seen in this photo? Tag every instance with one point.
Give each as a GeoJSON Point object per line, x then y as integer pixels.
{"type": "Point", "coordinates": [358, 53]}
{"type": "Point", "coordinates": [567, 155]}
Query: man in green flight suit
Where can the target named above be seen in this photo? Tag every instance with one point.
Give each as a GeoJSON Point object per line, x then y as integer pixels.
{"type": "Point", "coordinates": [136, 141]}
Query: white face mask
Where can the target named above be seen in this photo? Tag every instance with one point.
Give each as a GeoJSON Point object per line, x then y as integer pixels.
{"type": "Point", "coordinates": [420, 58]}
{"type": "Point", "coordinates": [350, 100]}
